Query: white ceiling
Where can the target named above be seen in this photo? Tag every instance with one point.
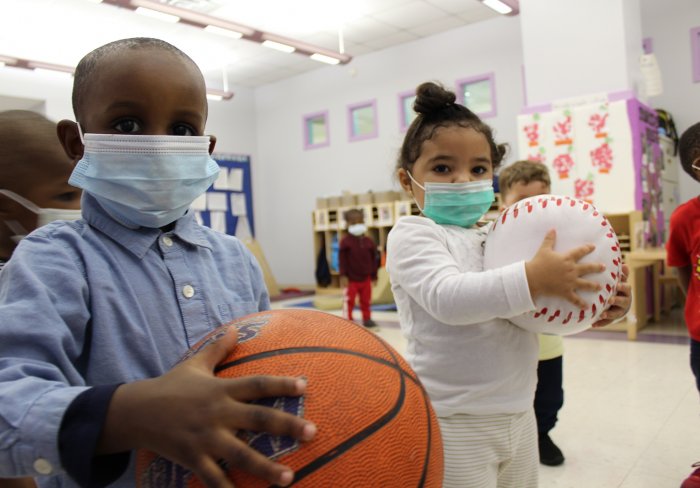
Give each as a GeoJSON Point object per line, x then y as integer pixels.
{"type": "Point", "coordinates": [62, 31]}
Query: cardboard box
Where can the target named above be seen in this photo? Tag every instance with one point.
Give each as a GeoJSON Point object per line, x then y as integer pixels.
{"type": "Point", "coordinates": [385, 196]}
{"type": "Point", "coordinates": [321, 202]}
{"type": "Point", "coordinates": [348, 200]}
{"type": "Point", "coordinates": [365, 198]}
{"type": "Point", "coordinates": [333, 202]}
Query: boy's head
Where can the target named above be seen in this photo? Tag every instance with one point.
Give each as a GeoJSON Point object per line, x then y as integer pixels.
{"type": "Point", "coordinates": [34, 166]}
{"type": "Point", "coordinates": [523, 179]}
{"type": "Point", "coordinates": [136, 86]}
{"type": "Point", "coordinates": [689, 151]}
{"type": "Point", "coordinates": [354, 216]}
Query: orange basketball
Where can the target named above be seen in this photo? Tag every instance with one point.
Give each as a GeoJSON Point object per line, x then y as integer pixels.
{"type": "Point", "coordinates": [376, 426]}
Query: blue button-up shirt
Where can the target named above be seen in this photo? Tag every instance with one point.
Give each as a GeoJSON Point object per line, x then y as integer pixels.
{"type": "Point", "coordinates": [92, 302]}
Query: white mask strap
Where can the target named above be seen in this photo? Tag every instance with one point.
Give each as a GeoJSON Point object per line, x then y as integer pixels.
{"type": "Point", "coordinates": [29, 205]}
{"type": "Point", "coordinates": [413, 180]}
{"type": "Point", "coordinates": [80, 133]}
{"type": "Point", "coordinates": [696, 164]}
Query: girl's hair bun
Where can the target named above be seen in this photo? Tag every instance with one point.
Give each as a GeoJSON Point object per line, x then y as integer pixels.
{"type": "Point", "coordinates": [431, 97]}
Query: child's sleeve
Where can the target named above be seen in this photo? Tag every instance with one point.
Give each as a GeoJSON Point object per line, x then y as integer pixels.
{"type": "Point", "coordinates": [677, 245]}
{"type": "Point", "coordinates": [420, 263]}
{"type": "Point", "coordinates": [43, 305]}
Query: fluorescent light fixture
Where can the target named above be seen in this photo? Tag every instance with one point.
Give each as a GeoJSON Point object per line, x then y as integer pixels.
{"type": "Point", "coordinates": [174, 13]}
{"type": "Point", "coordinates": [278, 46]}
{"type": "Point", "coordinates": [154, 14]}
{"type": "Point", "coordinates": [502, 7]}
{"type": "Point", "coordinates": [214, 94]}
{"type": "Point", "coordinates": [42, 66]}
{"type": "Point", "coordinates": [52, 72]}
{"type": "Point", "coordinates": [223, 32]}
{"type": "Point", "coordinates": [324, 59]}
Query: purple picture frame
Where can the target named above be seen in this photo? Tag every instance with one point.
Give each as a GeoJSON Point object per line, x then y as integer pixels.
{"type": "Point", "coordinates": [352, 137]}
{"type": "Point", "coordinates": [648, 45]}
{"type": "Point", "coordinates": [695, 53]}
{"type": "Point", "coordinates": [403, 127]}
{"type": "Point", "coordinates": [474, 79]}
{"type": "Point", "coordinates": [307, 134]}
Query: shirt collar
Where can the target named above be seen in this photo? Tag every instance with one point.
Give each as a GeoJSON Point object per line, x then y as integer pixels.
{"type": "Point", "coordinates": [138, 241]}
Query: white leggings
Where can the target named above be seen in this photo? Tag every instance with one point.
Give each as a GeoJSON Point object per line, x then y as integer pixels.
{"type": "Point", "coordinates": [490, 451]}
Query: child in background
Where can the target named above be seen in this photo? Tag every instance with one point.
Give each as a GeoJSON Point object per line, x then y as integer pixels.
{"type": "Point", "coordinates": [34, 189]}
{"type": "Point", "coordinates": [34, 173]}
{"type": "Point", "coordinates": [517, 181]}
{"type": "Point", "coordinates": [683, 253]}
{"type": "Point", "coordinates": [358, 267]}
{"type": "Point", "coordinates": [96, 313]}
{"type": "Point", "coordinates": [478, 369]}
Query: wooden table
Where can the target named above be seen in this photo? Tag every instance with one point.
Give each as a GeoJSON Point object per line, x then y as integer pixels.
{"type": "Point", "coordinates": [638, 262]}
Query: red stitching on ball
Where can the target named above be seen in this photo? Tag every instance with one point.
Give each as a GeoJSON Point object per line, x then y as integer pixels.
{"type": "Point", "coordinates": [558, 202]}
{"type": "Point", "coordinates": [554, 316]}
{"type": "Point", "coordinates": [593, 309]}
{"type": "Point", "coordinates": [601, 299]}
{"type": "Point", "coordinates": [515, 213]}
{"type": "Point", "coordinates": [544, 203]}
{"type": "Point", "coordinates": [568, 317]}
{"type": "Point", "coordinates": [581, 315]}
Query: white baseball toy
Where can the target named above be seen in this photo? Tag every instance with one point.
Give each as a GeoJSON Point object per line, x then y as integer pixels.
{"type": "Point", "coordinates": [517, 235]}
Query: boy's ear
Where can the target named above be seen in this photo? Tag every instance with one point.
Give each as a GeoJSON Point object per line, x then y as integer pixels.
{"type": "Point", "coordinates": [69, 136]}
{"type": "Point", "coordinates": [212, 143]}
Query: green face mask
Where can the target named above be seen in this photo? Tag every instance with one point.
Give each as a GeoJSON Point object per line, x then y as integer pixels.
{"type": "Point", "coordinates": [461, 204]}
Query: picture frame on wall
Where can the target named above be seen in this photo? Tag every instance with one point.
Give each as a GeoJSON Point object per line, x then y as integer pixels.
{"type": "Point", "coordinates": [478, 94]}
{"type": "Point", "coordinates": [406, 112]}
{"type": "Point", "coordinates": [316, 133]}
{"type": "Point", "coordinates": [362, 121]}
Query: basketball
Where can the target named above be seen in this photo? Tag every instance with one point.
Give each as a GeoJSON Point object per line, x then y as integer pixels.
{"type": "Point", "coordinates": [376, 426]}
{"type": "Point", "coordinates": [518, 233]}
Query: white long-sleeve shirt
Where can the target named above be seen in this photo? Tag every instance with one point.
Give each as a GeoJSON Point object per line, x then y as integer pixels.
{"type": "Point", "coordinates": [469, 360]}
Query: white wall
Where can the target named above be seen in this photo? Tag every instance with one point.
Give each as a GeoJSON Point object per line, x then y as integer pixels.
{"type": "Point", "coordinates": [668, 23]}
{"type": "Point", "coordinates": [287, 179]}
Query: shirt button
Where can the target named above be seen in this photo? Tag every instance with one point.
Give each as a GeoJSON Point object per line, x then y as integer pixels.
{"type": "Point", "coordinates": [42, 466]}
{"type": "Point", "coordinates": [188, 291]}
{"type": "Point", "coordinates": [167, 241]}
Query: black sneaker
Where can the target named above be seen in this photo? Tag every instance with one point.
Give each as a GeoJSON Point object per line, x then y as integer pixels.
{"type": "Point", "coordinates": [369, 323]}
{"type": "Point", "coordinates": [550, 454]}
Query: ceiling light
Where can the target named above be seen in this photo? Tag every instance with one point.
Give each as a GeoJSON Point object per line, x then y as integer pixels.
{"type": "Point", "coordinates": [278, 46]}
{"type": "Point", "coordinates": [39, 66]}
{"type": "Point", "coordinates": [214, 94]}
{"type": "Point", "coordinates": [228, 28]}
{"type": "Point", "coordinates": [503, 7]}
{"type": "Point", "coordinates": [324, 59]}
{"type": "Point", "coordinates": [154, 14]}
{"type": "Point", "coordinates": [223, 32]}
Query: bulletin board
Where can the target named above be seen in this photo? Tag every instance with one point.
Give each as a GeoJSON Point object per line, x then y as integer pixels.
{"type": "Point", "coordinates": [227, 206]}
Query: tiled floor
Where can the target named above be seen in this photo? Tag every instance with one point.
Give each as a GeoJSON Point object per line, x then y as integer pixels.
{"type": "Point", "coordinates": [631, 416]}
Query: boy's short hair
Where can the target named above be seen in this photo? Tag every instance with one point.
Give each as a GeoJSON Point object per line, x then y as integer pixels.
{"type": "Point", "coordinates": [89, 65]}
{"type": "Point", "coordinates": [23, 135]}
{"type": "Point", "coordinates": [689, 148]}
{"type": "Point", "coordinates": [353, 212]}
{"type": "Point", "coordinates": [523, 171]}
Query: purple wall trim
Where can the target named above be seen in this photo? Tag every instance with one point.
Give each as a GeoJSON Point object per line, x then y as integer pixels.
{"type": "Point", "coordinates": [620, 95]}
{"type": "Point", "coordinates": [402, 114]}
{"type": "Point", "coordinates": [305, 119]}
{"type": "Point", "coordinates": [488, 76]}
{"type": "Point", "coordinates": [695, 53]}
{"type": "Point", "coordinates": [648, 45]}
{"type": "Point", "coordinates": [352, 137]}
{"type": "Point", "coordinates": [635, 128]}
{"type": "Point", "coordinates": [547, 107]}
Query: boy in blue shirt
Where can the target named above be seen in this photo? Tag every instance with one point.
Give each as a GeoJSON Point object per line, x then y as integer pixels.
{"type": "Point", "coordinates": [97, 312]}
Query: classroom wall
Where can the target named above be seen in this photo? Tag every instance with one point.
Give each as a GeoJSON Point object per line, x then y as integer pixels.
{"type": "Point", "coordinates": [668, 23]}
{"type": "Point", "coordinates": [287, 179]}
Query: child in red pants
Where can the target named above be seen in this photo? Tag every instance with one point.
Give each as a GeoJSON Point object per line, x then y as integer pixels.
{"type": "Point", "coordinates": [358, 266]}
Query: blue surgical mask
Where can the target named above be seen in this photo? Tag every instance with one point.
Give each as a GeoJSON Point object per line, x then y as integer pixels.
{"type": "Point", "coordinates": [146, 181]}
{"type": "Point", "coordinates": [461, 204]}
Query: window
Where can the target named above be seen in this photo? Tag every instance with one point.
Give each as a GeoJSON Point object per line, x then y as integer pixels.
{"type": "Point", "coordinates": [316, 130]}
{"type": "Point", "coordinates": [406, 113]}
{"type": "Point", "coordinates": [478, 94]}
{"type": "Point", "coordinates": [362, 120]}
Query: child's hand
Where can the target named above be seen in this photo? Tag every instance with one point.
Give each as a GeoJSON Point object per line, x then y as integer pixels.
{"type": "Point", "coordinates": [191, 417]}
{"type": "Point", "coordinates": [619, 305]}
{"type": "Point", "coordinates": [559, 274]}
